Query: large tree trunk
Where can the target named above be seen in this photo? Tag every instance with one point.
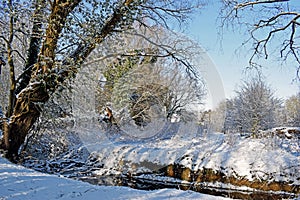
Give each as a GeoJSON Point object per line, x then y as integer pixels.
{"type": "Point", "coordinates": [15, 131]}
{"type": "Point", "coordinates": [26, 112]}
{"type": "Point", "coordinates": [26, 108]}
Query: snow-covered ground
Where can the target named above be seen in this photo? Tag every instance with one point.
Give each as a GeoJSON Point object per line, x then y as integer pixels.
{"type": "Point", "coordinates": [270, 157]}
{"type": "Point", "coordinates": [21, 183]}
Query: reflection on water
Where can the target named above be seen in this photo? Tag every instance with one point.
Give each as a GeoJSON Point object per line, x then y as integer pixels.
{"type": "Point", "coordinates": [138, 182]}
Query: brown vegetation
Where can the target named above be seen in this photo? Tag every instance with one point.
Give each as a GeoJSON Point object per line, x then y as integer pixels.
{"type": "Point", "coordinates": [210, 175]}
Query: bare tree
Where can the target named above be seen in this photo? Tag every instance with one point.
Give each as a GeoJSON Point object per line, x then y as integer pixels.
{"type": "Point", "coordinates": [60, 37]}
{"type": "Point", "coordinates": [255, 106]}
{"type": "Point", "coordinates": [271, 24]}
{"type": "Point", "coordinates": [157, 71]}
{"type": "Point", "coordinates": [224, 117]}
{"type": "Point", "coordinates": [153, 90]}
{"type": "Point", "coordinates": [292, 110]}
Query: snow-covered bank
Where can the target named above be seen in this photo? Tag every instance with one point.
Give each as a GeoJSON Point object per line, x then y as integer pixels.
{"type": "Point", "coordinates": [21, 183]}
{"type": "Point", "coordinates": [268, 163]}
{"type": "Point", "coordinates": [268, 158]}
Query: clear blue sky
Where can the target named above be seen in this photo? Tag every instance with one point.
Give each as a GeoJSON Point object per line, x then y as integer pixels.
{"type": "Point", "coordinates": [229, 64]}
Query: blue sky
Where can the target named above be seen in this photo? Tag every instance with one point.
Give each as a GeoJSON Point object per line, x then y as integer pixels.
{"type": "Point", "coordinates": [230, 65]}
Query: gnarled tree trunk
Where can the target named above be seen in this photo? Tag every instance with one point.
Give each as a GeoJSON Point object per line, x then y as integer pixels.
{"type": "Point", "coordinates": [26, 109]}
{"type": "Point", "coordinates": [26, 112]}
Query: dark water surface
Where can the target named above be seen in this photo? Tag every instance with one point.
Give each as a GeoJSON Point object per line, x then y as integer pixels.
{"type": "Point", "coordinates": [142, 183]}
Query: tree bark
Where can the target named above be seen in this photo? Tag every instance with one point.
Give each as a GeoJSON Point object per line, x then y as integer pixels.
{"type": "Point", "coordinates": [34, 45]}
{"type": "Point", "coordinates": [26, 112]}
{"type": "Point", "coordinates": [26, 108]}
{"type": "Point", "coordinates": [11, 97]}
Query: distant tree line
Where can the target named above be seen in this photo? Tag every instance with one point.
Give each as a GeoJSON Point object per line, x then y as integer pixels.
{"type": "Point", "coordinates": [254, 108]}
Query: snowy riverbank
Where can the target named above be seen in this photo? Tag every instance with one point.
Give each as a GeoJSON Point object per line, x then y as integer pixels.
{"type": "Point", "coordinates": [267, 164]}
{"type": "Point", "coordinates": [21, 183]}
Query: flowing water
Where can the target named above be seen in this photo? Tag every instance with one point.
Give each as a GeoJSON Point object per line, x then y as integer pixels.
{"type": "Point", "coordinates": [142, 183]}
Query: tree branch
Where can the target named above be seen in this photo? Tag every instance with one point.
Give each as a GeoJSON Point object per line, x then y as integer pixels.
{"type": "Point", "coordinates": [125, 54]}
{"type": "Point", "coordinates": [252, 3]}
{"type": "Point", "coordinates": [78, 56]}
{"type": "Point", "coordinates": [34, 45]}
{"type": "Point", "coordinates": [283, 23]}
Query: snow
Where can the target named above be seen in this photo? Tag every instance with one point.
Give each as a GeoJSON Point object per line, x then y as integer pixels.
{"type": "Point", "coordinates": [269, 158]}
{"type": "Point", "coordinates": [18, 182]}
{"type": "Point", "coordinates": [266, 158]}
